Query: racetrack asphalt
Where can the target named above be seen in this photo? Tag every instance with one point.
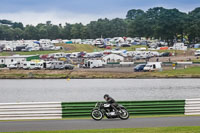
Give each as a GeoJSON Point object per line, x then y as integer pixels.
{"type": "Point", "coordinates": [50, 125]}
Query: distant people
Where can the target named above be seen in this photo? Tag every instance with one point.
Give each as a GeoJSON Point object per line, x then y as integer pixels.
{"type": "Point", "coordinates": [169, 60]}
{"type": "Point", "coordinates": [157, 60]}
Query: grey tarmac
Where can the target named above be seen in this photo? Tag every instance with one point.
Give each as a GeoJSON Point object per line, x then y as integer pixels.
{"type": "Point", "coordinates": [50, 125]}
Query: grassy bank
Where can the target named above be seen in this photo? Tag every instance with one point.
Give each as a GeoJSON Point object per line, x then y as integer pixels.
{"type": "Point", "coordinates": [28, 53]}
{"type": "Point", "coordinates": [130, 130]}
{"type": "Point", "coordinates": [68, 48]}
{"type": "Point", "coordinates": [193, 72]}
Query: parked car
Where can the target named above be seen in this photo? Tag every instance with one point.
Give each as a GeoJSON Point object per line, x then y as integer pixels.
{"type": "Point", "coordinates": [69, 66]}
{"type": "Point", "coordinates": [27, 49]}
{"type": "Point", "coordinates": [89, 55]}
{"type": "Point", "coordinates": [101, 46]}
{"type": "Point", "coordinates": [13, 66]}
{"type": "Point", "coordinates": [137, 57]}
{"type": "Point", "coordinates": [75, 55]}
{"type": "Point", "coordinates": [165, 54]}
{"type": "Point", "coordinates": [98, 55]}
{"type": "Point", "coordinates": [106, 52]}
{"type": "Point", "coordinates": [139, 68]}
{"type": "Point", "coordinates": [108, 47]}
{"type": "Point", "coordinates": [125, 45]}
{"type": "Point", "coordinates": [144, 56]}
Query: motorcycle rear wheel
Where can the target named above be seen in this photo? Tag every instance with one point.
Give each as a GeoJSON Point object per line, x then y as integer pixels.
{"type": "Point", "coordinates": [97, 115]}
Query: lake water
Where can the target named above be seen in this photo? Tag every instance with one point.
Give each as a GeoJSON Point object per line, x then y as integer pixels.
{"type": "Point", "coordinates": [45, 90]}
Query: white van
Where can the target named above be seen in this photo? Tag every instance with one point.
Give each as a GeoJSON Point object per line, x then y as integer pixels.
{"type": "Point", "coordinates": [93, 64]}
{"type": "Point", "coordinates": [152, 66]}
{"type": "Point", "coordinates": [197, 53]}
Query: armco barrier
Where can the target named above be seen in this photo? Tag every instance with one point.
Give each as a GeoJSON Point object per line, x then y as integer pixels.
{"type": "Point", "coordinates": [32, 110]}
{"type": "Point", "coordinates": [192, 106]}
{"type": "Point", "coordinates": [134, 108]}
{"type": "Point", "coordinates": [58, 110]}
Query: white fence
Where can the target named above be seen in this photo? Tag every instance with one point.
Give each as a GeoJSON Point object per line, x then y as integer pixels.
{"type": "Point", "coordinates": [192, 106]}
{"type": "Point", "coordinates": [31, 110]}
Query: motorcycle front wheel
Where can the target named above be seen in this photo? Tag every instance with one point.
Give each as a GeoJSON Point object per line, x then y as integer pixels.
{"type": "Point", "coordinates": [123, 114]}
{"type": "Point", "coordinates": [97, 115]}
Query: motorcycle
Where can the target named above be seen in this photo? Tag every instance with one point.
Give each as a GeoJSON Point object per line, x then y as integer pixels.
{"type": "Point", "coordinates": [104, 109]}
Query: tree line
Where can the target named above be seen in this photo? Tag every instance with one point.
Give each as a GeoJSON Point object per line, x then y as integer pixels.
{"type": "Point", "coordinates": [158, 23]}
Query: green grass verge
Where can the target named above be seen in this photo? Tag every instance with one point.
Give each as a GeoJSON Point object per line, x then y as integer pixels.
{"type": "Point", "coordinates": [81, 48]}
{"type": "Point", "coordinates": [133, 47]}
{"type": "Point", "coordinates": [70, 48]}
{"type": "Point", "coordinates": [191, 72]}
{"type": "Point", "coordinates": [28, 53]}
{"type": "Point", "coordinates": [192, 129]}
{"type": "Point", "coordinates": [84, 47]}
{"type": "Point", "coordinates": [188, 72]}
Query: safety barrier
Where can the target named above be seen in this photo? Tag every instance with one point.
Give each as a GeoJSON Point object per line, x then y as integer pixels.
{"type": "Point", "coordinates": [192, 106]}
{"type": "Point", "coordinates": [134, 108]}
{"type": "Point", "coordinates": [58, 110]}
{"type": "Point", "coordinates": [32, 110]}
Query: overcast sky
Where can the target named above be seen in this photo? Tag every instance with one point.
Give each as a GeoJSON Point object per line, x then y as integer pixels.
{"type": "Point", "coordinates": [75, 11]}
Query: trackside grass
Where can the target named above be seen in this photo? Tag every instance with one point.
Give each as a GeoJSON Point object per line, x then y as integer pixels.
{"type": "Point", "coordinates": [191, 72]}
{"type": "Point", "coordinates": [193, 129]}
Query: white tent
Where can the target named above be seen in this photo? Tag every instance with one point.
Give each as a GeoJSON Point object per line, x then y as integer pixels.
{"type": "Point", "coordinates": [113, 58]}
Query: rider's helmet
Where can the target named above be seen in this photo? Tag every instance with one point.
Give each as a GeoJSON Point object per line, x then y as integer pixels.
{"type": "Point", "coordinates": [105, 96]}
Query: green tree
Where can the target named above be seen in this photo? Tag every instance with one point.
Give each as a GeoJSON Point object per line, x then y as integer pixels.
{"type": "Point", "coordinates": [166, 24]}
{"type": "Point", "coordinates": [18, 33]}
{"type": "Point", "coordinates": [31, 32]}
{"type": "Point", "coordinates": [6, 33]}
{"type": "Point", "coordinates": [76, 30]}
{"type": "Point", "coordinates": [117, 27]}
{"type": "Point", "coordinates": [53, 32]}
{"type": "Point", "coordinates": [192, 26]}
{"type": "Point", "coordinates": [134, 13]}
{"type": "Point", "coordinates": [18, 25]}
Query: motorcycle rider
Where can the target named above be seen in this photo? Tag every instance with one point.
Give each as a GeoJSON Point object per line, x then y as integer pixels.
{"type": "Point", "coordinates": [111, 101]}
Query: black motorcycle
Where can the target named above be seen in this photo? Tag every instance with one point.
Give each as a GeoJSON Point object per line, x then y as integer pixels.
{"type": "Point", "coordinates": [104, 109]}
